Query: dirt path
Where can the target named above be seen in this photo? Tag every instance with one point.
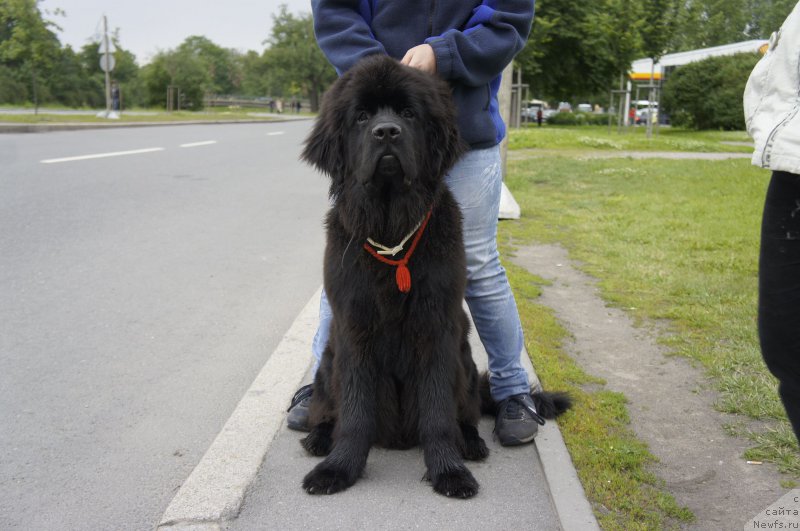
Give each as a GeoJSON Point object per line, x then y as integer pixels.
{"type": "Point", "coordinates": [670, 402]}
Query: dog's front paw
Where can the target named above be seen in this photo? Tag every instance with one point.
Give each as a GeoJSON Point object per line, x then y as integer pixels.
{"type": "Point", "coordinates": [475, 449]}
{"type": "Point", "coordinates": [457, 483]}
{"type": "Point", "coordinates": [326, 480]}
{"type": "Point", "coordinates": [319, 441]}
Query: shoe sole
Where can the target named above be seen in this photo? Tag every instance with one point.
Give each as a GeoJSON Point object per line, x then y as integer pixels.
{"type": "Point", "coordinates": [296, 426]}
{"type": "Point", "coordinates": [514, 441]}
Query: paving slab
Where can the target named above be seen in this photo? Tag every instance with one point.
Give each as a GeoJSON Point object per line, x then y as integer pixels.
{"type": "Point", "coordinates": [392, 494]}
{"type": "Point", "coordinates": [531, 487]}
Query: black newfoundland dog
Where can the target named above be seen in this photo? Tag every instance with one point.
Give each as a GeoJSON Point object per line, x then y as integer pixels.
{"type": "Point", "coordinates": [397, 370]}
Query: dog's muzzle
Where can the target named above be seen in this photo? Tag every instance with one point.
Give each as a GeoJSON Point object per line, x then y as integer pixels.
{"type": "Point", "coordinates": [389, 166]}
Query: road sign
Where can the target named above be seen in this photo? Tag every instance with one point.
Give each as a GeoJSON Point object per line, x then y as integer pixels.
{"type": "Point", "coordinates": [111, 63]}
{"type": "Point", "coordinates": [102, 48]}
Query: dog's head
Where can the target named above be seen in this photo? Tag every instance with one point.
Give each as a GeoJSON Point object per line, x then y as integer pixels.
{"type": "Point", "coordinates": [385, 133]}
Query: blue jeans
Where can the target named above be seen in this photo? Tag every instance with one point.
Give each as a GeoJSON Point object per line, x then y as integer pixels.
{"type": "Point", "coordinates": [475, 181]}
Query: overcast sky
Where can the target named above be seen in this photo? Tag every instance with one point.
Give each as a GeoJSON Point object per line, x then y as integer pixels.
{"type": "Point", "coordinates": [147, 26]}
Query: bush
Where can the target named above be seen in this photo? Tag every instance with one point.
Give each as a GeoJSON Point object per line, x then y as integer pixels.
{"type": "Point", "coordinates": [12, 90]}
{"type": "Point", "coordinates": [708, 94]}
{"type": "Point", "coordinates": [578, 118]}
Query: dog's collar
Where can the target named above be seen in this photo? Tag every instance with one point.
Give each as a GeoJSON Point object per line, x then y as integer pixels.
{"type": "Point", "coordinates": [383, 250]}
{"type": "Point", "coordinates": [402, 275]}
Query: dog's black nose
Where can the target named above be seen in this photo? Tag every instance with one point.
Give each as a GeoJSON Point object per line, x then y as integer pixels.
{"type": "Point", "coordinates": [386, 131]}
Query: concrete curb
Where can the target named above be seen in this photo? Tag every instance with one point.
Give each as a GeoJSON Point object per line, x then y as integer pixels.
{"type": "Point", "coordinates": [216, 488]}
{"type": "Point", "coordinates": [10, 128]}
{"type": "Point", "coordinates": [569, 499]}
{"type": "Point", "coordinates": [566, 490]}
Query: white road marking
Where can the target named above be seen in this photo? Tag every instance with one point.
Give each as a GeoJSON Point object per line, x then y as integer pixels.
{"type": "Point", "coordinates": [102, 155]}
{"type": "Point", "coordinates": [196, 144]}
{"type": "Point", "coordinates": [276, 133]}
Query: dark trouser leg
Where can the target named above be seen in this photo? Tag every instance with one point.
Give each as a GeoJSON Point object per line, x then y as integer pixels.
{"type": "Point", "coordinates": [779, 289]}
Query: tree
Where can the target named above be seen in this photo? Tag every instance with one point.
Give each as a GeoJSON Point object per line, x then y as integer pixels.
{"type": "Point", "coordinates": [256, 79]}
{"type": "Point", "coordinates": [67, 82]}
{"type": "Point", "coordinates": [658, 25]}
{"type": "Point", "coordinates": [578, 50]}
{"type": "Point", "coordinates": [125, 72]}
{"type": "Point", "coordinates": [294, 58]}
{"type": "Point", "coordinates": [179, 68]}
{"type": "Point", "coordinates": [705, 23]}
{"type": "Point", "coordinates": [196, 67]}
{"type": "Point", "coordinates": [768, 15]}
{"type": "Point", "coordinates": [613, 40]}
{"type": "Point", "coordinates": [222, 65]}
{"type": "Point", "coordinates": [28, 46]}
{"type": "Point", "coordinates": [553, 60]}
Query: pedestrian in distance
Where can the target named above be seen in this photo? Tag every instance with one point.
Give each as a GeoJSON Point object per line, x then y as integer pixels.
{"type": "Point", "coordinates": [115, 101]}
{"type": "Point", "coordinates": [468, 44]}
{"type": "Point", "coordinates": [539, 116]}
{"type": "Point", "coordinates": [773, 122]}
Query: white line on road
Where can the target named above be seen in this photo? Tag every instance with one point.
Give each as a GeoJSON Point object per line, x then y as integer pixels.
{"type": "Point", "coordinates": [196, 144]}
{"type": "Point", "coordinates": [102, 155]}
{"type": "Point", "coordinates": [275, 133]}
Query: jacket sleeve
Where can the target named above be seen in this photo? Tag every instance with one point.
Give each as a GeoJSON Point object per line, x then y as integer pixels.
{"type": "Point", "coordinates": [343, 33]}
{"type": "Point", "coordinates": [477, 53]}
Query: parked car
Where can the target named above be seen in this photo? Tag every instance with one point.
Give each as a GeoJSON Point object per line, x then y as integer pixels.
{"type": "Point", "coordinates": [564, 106]}
{"type": "Point", "coordinates": [643, 111]}
{"type": "Point", "coordinates": [532, 107]}
{"type": "Point", "coordinates": [584, 107]}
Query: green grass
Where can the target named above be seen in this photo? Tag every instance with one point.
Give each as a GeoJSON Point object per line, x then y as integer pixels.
{"type": "Point", "coordinates": [673, 242]}
{"type": "Point", "coordinates": [633, 139]}
{"type": "Point", "coordinates": [611, 462]}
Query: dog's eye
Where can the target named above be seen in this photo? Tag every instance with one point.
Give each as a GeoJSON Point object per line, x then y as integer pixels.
{"type": "Point", "coordinates": [407, 113]}
{"type": "Point", "coordinates": [362, 117]}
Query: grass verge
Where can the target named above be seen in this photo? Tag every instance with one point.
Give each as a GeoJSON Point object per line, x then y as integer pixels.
{"type": "Point", "coordinates": [671, 241]}
{"type": "Point", "coordinates": [611, 462]}
{"type": "Point", "coordinates": [589, 138]}
{"type": "Point", "coordinates": [45, 117]}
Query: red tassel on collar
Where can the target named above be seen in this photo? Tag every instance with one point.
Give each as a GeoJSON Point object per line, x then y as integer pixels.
{"type": "Point", "coordinates": [402, 275]}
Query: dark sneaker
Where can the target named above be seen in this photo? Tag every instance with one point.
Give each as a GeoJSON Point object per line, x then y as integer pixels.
{"type": "Point", "coordinates": [517, 420]}
{"type": "Point", "coordinates": [297, 419]}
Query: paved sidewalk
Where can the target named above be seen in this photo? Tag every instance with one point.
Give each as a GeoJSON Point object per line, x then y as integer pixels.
{"type": "Point", "coordinates": [250, 477]}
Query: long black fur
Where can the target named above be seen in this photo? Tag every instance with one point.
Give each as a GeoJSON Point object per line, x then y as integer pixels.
{"type": "Point", "coordinates": [548, 404]}
{"type": "Point", "coordinates": [397, 370]}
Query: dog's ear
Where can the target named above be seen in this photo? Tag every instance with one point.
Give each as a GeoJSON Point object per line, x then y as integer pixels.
{"type": "Point", "coordinates": [325, 145]}
{"type": "Point", "coordinates": [446, 138]}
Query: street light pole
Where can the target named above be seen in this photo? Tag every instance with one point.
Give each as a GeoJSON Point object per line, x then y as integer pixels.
{"type": "Point", "coordinates": [107, 58]}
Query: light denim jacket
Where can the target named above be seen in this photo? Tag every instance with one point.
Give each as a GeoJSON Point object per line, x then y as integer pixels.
{"type": "Point", "coordinates": [772, 100]}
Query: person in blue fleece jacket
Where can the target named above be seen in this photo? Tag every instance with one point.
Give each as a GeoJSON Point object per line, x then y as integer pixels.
{"type": "Point", "coordinates": [468, 43]}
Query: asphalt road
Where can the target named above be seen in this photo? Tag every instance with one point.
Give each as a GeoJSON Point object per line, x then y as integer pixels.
{"type": "Point", "coordinates": [140, 294]}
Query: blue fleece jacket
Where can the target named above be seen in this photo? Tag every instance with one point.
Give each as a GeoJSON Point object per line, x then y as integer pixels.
{"type": "Point", "coordinates": [473, 42]}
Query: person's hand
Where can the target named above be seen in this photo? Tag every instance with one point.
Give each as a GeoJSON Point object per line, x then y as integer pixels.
{"type": "Point", "coordinates": [421, 57]}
